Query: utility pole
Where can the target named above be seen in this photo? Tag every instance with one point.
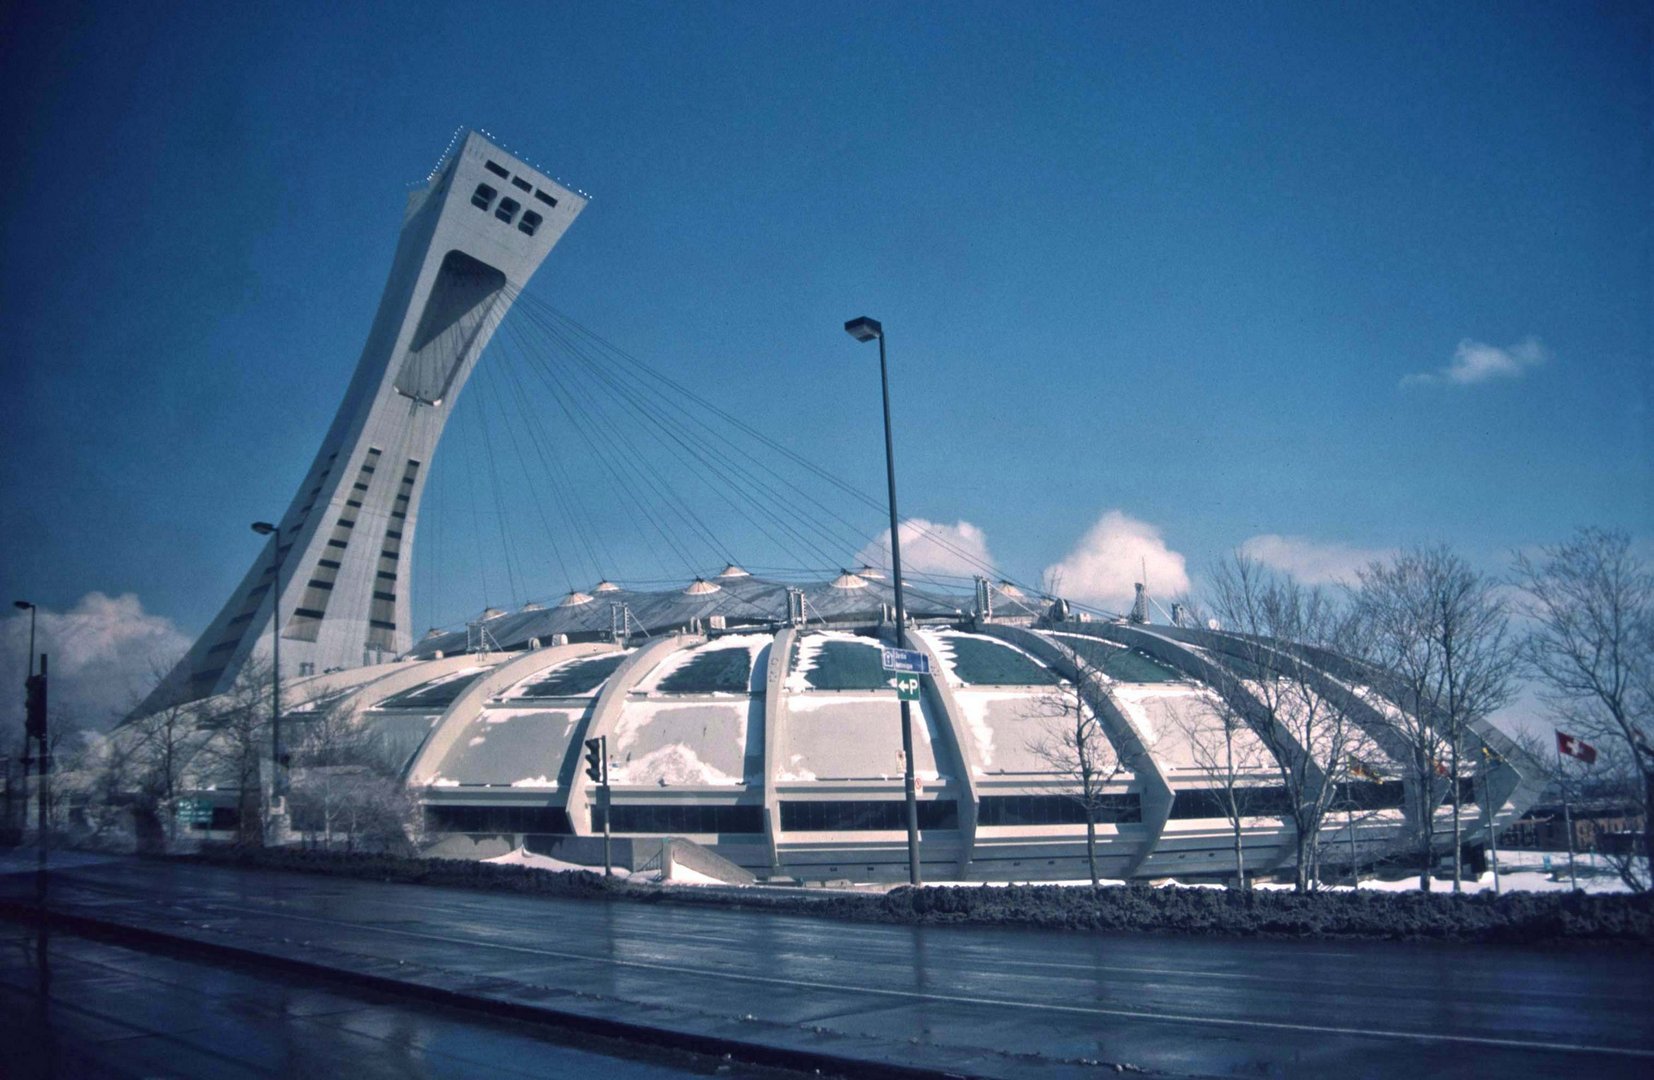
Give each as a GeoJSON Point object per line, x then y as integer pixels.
{"type": "Point", "coordinates": [278, 775]}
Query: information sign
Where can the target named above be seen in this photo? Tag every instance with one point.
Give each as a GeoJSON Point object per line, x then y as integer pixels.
{"type": "Point", "coordinates": [195, 811]}
{"type": "Point", "coordinates": [909, 660]}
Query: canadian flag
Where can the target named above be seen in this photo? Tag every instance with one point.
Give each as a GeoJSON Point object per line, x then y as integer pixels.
{"type": "Point", "coordinates": [1576, 747]}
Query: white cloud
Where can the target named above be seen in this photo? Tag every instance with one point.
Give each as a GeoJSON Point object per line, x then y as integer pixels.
{"type": "Point", "coordinates": [104, 654]}
{"type": "Point", "coordinates": [1310, 561]}
{"type": "Point", "coordinates": [1111, 557]}
{"type": "Point", "coordinates": [929, 547]}
{"type": "Point", "coordinates": [1476, 361]}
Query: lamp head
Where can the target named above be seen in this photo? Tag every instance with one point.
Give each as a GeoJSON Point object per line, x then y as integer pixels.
{"type": "Point", "coordinates": [864, 329]}
{"type": "Point", "coordinates": [263, 528]}
{"type": "Point", "coordinates": [22, 605]}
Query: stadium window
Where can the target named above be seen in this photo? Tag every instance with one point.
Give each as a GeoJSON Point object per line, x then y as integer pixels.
{"type": "Point", "coordinates": [517, 181]}
{"type": "Point", "coordinates": [508, 209]}
{"type": "Point", "coordinates": [498, 170]}
{"type": "Point", "coordinates": [866, 815]}
{"type": "Point", "coordinates": [1370, 795]}
{"type": "Point", "coordinates": [530, 222]}
{"type": "Point", "coordinates": [543, 197]}
{"type": "Point", "coordinates": [483, 197]}
{"type": "Point", "coordinates": [1057, 810]}
{"type": "Point", "coordinates": [682, 818]}
{"type": "Point", "coordinates": [497, 819]}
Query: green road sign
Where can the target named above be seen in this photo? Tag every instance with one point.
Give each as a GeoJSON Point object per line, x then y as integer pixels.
{"type": "Point", "coordinates": [907, 687]}
{"type": "Point", "coordinates": [195, 811]}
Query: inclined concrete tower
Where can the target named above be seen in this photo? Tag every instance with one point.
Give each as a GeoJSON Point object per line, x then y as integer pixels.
{"type": "Point", "coordinates": [471, 239]}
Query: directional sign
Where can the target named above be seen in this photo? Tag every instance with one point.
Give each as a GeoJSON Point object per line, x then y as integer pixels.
{"type": "Point", "coordinates": [908, 660]}
{"type": "Point", "coordinates": [195, 811]}
{"type": "Point", "coordinates": [907, 687]}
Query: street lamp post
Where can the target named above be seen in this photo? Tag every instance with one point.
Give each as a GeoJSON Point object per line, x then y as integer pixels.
{"type": "Point", "coordinates": [866, 329]}
{"type": "Point", "coordinates": [278, 777]}
{"type": "Point", "coordinates": [37, 727]}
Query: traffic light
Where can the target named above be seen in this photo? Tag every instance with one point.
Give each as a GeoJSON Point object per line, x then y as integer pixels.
{"type": "Point", "coordinates": [595, 765]}
{"type": "Point", "coordinates": [34, 711]}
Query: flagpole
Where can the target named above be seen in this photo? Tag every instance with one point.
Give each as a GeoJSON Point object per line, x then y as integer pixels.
{"type": "Point", "coordinates": [1567, 817]}
{"type": "Point", "coordinates": [1492, 818]}
{"type": "Point", "coordinates": [1355, 867]}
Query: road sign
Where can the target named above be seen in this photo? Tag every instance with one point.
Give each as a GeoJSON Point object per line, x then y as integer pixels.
{"type": "Point", "coordinates": [195, 811]}
{"type": "Point", "coordinates": [907, 687]}
{"type": "Point", "coordinates": [908, 660]}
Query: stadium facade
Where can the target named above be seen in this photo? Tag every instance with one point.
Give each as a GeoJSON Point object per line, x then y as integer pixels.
{"type": "Point", "coordinates": [748, 715]}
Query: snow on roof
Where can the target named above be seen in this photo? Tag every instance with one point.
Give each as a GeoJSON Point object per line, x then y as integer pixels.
{"type": "Point", "coordinates": [813, 658]}
{"type": "Point", "coordinates": [754, 644]}
{"type": "Point", "coordinates": [692, 743]}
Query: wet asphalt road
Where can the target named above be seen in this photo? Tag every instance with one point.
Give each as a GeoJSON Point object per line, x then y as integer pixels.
{"type": "Point", "coordinates": [975, 1000]}
{"type": "Point", "coordinates": [118, 1013]}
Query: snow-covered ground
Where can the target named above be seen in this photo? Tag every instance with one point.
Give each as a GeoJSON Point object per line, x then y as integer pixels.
{"type": "Point", "coordinates": [1519, 871]}
{"type": "Point", "coordinates": [681, 875]}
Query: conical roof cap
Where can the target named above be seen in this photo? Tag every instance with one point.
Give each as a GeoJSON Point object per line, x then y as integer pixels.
{"type": "Point", "coordinates": [702, 587]}
{"type": "Point", "coordinates": [574, 599]}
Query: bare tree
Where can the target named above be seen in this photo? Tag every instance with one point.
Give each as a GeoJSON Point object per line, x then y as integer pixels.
{"type": "Point", "coordinates": [346, 785]}
{"type": "Point", "coordinates": [1439, 629]}
{"type": "Point", "coordinates": [1223, 746]}
{"type": "Point", "coordinates": [1309, 732]}
{"type": "Point", "coordinates": [236, 747]}
{"type": "Point", "coordinates": [149, 756]}
{"type": "Point", "coordinates": [1591, 646]}
{"type": "Point", "coordinates": [1075, 745]}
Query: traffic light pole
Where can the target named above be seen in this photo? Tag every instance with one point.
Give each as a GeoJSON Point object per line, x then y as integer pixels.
{"type": "Point", "coordinates": [43, 793]}
{"type": "Point", "coordinates": [603, 794]}
{"type": "Point", "coordinates": [597, 768]}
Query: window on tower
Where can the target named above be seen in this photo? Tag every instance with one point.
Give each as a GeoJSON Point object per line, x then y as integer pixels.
{"type": "Point", "coordinates": [483, 197]}
{"type": "Point", "coordinates": [530, 222]}
{"type": "Point", "coordinates": [508, 209]}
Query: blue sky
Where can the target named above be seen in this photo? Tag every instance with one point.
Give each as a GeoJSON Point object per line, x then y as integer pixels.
{"type": "Point", "coordinates": [1155, 276]}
